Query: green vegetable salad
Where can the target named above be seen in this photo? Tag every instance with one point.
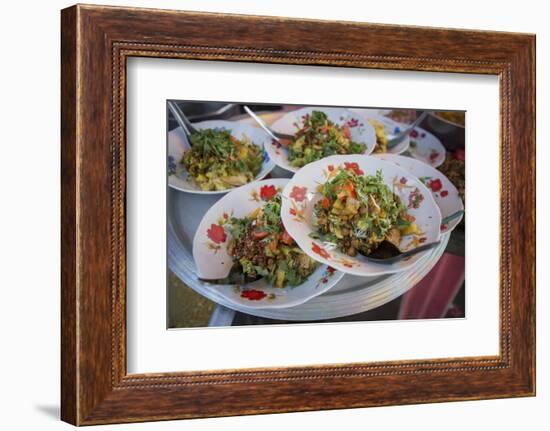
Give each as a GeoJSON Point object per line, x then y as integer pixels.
{"type": "Point", "coordinates": [357, 212]}
{"type": "Point", "coordinates": [219, 161]}
{"type": "Point", "coordinates": [319, 137]}
{"type": "Point", "coordinates": [263, 248]}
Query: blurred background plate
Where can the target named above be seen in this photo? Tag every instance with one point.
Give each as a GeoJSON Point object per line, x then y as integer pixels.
{"type": "Point", "coordinates": [391, 127]}
{"type": "Point", "coordinates": [288, 123]}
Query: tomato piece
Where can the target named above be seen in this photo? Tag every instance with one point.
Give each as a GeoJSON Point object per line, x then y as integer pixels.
{"type": "Point", "coordinates": [286, 238]}
{"type": "Point", "coordinates": [325, 203]}
{"type": "Point", "coordinates": [260, 234]}
{"type": "Point", "coordinates": [351, 189]}
{"type": "Point", "coordinates": [347, 133]}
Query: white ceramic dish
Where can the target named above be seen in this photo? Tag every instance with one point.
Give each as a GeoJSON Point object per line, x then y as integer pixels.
{"type": "Point", "coordinates": [391, 127]}
{"type": "Point", "coordinates": [300, 196]}
{"type": "Point", "coordinates": [426, 147]}
{"type": "Point", "coordinates": [444, 192]}
{"type": "Point", "coordinates": [179, 179]}
{"type": "Point", "coordinates": [361, 131]}
{"type": "Point", "coordinates": [214, 262]}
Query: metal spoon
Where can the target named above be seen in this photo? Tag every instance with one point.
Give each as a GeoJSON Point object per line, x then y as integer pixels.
{"type": "Point", "coordinates": [397, 139]}
{"type": "Point", "coordinates": [275, 135]}
{"type": "Point", "coordinates": [182, 120]}
{"type": "Point", "coordinates": [388, 252]}
{"type": "Point", "coordinates": [452, 216]}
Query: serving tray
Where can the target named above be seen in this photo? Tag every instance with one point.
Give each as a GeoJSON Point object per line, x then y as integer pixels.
{"type": "Point", "coordinates": [350, 296]}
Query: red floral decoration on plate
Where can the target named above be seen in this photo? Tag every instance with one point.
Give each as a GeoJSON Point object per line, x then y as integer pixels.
{"type": "Point", "coordinates": [253, 294]}
{"type": "Point", "coordinates": [268, 192]}
{"type": "Point", "coordinates": [320, 251]}
{"type": "Point", "coordinates": [436, 185]}
{"type": "Point", "coordinates": [353, 166]}
{"type": "Point", "coordinates": [433, 155]}
{"type": "Point", "coordinates": [354, 122]}
{"type": "Point", "coordinates": [216, 233]}
{"type": "Point", "coordinates": [298, 193]}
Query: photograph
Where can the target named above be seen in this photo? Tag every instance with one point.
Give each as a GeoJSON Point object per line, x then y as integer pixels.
{"type": "Point", "coordinates": [299, 214]}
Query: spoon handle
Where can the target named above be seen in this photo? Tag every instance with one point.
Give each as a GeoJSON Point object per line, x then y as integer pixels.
{"type": "Point", "coordinates": [274, 135]}
{"type": "Point", "coordinates": [452, 217]}
{"type": "Point", "coordinates": [260, 122]}
{"type": "Point", "coordinates": [181, 119]}
{"type": "Point", "coordinates": [419, 249]}
{"type": "Point", "coordinates": [397, 139]}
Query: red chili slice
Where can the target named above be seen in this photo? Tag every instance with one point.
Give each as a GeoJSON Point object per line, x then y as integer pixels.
{"type": "Point", "coordinates": [286, 238]}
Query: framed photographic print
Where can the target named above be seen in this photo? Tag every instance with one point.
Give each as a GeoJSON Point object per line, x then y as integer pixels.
{"type": "Point", "coordinates": [258, 217]}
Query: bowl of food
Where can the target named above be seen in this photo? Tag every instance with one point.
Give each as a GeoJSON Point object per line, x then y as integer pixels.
{"type": "Point", "coordinates": [243, 249]}
{"type": "Point", "coordinates": [221, 156]}
{"type": "Point", "coordinates": [317, 133]}
{"type": "Point", "coordinates": [341, 208]}
{"type": "Point", "coordinates": [384, 128]}
{"type": "Point", "coordinates": [449, 126]}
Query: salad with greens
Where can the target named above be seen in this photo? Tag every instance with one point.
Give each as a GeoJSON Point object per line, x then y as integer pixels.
{"type": "Point", "coordinates": [319, 137]}
{"type": "Point", "coordinates": [358, 212]}
{"type": "Point", "coordinates": [219, 161]}
{"type": "Point", "coordinates": [263, 248]}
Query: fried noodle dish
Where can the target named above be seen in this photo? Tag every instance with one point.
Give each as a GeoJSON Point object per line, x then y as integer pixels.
{"type": "Point", "coordinates": [319, 137]}
{"type": "Point", "coordinates": [263, 248]}
{"type": "Point", "coordinates": [219, 161]}
{"type": "Point", "coordinates": [358, 212]}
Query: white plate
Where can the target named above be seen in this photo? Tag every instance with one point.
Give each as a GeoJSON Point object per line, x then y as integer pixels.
{"type": "Point", "coordinates": [426, 147]}
{"type": "Point", "coordinates": [178, 177]}
{"type": "Point", "coordinates": [444, 192]}
{"type": "Point", "coordinates": [361, 131]}
{"type": "Point", "coordinates": [391, 127]}
{"type": "Point", "coordinates": [300, 196]}
{"type": "Point", "coordinates": [213, 261]}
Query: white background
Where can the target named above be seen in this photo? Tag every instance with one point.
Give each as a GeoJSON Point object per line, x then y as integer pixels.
{"type": "Point", "coordinates": [151, 348]}
{"type": "Point", "coordinates": [29, 216]}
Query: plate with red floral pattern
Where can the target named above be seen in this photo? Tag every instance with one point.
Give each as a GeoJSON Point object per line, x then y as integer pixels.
{"type": "Point", "coordinates": [213, 261]}
{"type": "Point", "coordinates": [444, 192]}
{"type": "Point", "coordinates": [357, 128]}
{"type": "Point", "coordinates": [301, 194]}
{"type": "Point", "coordinates": [426, 147]}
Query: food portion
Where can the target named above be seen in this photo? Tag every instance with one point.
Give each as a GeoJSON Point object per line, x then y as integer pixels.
{"type": "Point", "coordinates": [455, 117]}
{"type": "Point", "coordinates": [319, 137]}
{"type": "Point", "coordinates": [263, 248]}
{"type": "Point", "coordinates": [357, 212]}
{"type": "Point", "coordinates": [381, 137]}
{"type": "Point", "coordinates": [453, 168]}
{"type": "Point", "coordinates": [219, 161]}
{"type": "Point", "coordinates": [405, 116]}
